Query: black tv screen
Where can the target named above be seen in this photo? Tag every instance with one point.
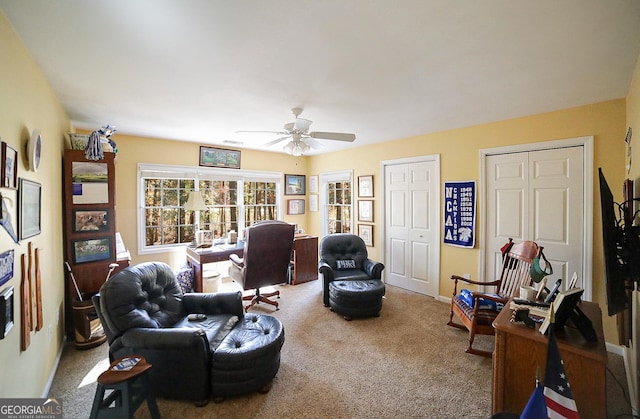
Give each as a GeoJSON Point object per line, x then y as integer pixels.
{"type": "Point", "coordinates": [615, 270]}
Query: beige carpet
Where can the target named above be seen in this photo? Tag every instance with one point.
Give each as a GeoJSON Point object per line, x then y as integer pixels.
{"type": "Point", "coordinates": [405, 364]}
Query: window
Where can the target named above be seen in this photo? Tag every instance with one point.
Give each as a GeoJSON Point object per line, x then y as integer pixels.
{"type": "Point", "coordinates": [162, 221]}
{"type": "Point", "coordinates": [336, 202]}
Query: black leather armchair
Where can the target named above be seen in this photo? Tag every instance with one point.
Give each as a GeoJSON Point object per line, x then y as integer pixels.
{"type": "Point", "coordinates": [344, 259]}
{"type": "Point", "coordinates": [144, 312]}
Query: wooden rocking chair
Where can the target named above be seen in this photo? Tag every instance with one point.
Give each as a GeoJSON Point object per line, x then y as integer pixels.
{"type": "Point", "coordinates": [477, 310]}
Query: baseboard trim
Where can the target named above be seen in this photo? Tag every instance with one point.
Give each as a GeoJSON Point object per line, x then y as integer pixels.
{"type": "Point", "coordinates": [52, 374]}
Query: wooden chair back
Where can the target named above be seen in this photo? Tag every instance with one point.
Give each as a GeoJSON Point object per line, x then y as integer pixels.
{"type": "Point", "coordinates": [516, 266]}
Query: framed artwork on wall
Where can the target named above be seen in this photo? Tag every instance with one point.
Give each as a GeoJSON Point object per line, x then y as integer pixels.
{"type": "Point", "coordinates": [365, 231]}
{"type": "Point", "coordinates": [29, 200]}
{"type": "Point", "coordinates": [219, 157]}
{"type": "Point", "coordinates": [6, 311]}
{"type": "Point", "coordinates": [365, 186]}
{"type": "Point", "coordinates": [365, 210]}
{"type": "Point", "coordinates": [295, 184]}
{"type": "Point", "coordinates": [295, 206]}
{"type": "Point", "coordinates": [9, 174]}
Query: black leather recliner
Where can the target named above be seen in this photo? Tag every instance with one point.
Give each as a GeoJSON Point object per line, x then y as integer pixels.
{"type": "Point", "coordinates": [351, 282]}
{"type": "Point", "coordinates": [143, 311]}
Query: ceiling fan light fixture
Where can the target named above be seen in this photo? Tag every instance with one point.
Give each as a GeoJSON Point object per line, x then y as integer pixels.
{"type": "Point", "coordinates": [296, 148]}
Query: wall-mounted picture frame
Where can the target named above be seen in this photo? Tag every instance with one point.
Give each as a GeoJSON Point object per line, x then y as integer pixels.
{"type": "Point", "coordinates": [6, 311]}
{"type": "Point", "coordinates": [365, 210]}
{"type": "Point", "coordinates": [313, 184]}
{"type": "Point", "coordinates": [90, 182]}
{"type": "Point", "coordinates": [86, 221]}
{"type": "Point", "coordinates": [295, 185]}
{"type": "Point", "coordinates": [29, 201]}
{"type": "Point", "coordinates": [91, 250]}
{"type": "Point", "coordinates": [219, 157]}
{"type": "Point", "coordinates": [365, 231]}
{"type": "Point", "coordinates": [6, 266]}
{"type": "Point", "coordinates": [365, 186]}
{"type": "Point", "coordinates": [9, 174]}
{"type": "Point", "coordinates": [295, 206]}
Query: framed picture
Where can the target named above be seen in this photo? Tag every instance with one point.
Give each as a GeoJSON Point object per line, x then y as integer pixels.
{"type": "Point", "coordinates": [9, 175]}
{"type": "Point", "coordinates": [219, 157]}
{"type": "Point", "coordinates": [365, 232]}
{"type": "Point", "coordinates": [29, 196]}
{"type": "Point", "coordinates": [90, 182]}
{"type": "Point", "coordinates": [6, 264]}
{"type": "Point", "coordinates": [91, 250]}
{"type": "Point", "coordinates": [90, 220]}
{"type": "Point", "coordinates": [365, 186]}
{"type": "Point", "coordinates": [295, 184]}
{"type": "Point", "coordinates": [313, 184]}
{"type": "Point", "coordinates": [6, 311]}
{"type": "Point", "coordinates": [365, 210]}
{"type": "Point", "coordinates": [295, 206]}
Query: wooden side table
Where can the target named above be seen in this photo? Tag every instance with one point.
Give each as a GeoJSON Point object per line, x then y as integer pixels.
{"type": "Point", "coordinates": [520, 350]}
{"type": "Point", "coordinates": [130, 389]}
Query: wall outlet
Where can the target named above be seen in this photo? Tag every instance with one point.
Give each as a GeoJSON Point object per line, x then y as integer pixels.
{"type": "Point", "coordinates": [466, 276]}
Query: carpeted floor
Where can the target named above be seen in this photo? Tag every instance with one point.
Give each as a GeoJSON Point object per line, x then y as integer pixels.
{"type": "Point", "coordinates": [405, 363]}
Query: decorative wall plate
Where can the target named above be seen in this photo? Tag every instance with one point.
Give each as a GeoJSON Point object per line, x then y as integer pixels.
{"type": "Point", "coordinates": [34, 150]}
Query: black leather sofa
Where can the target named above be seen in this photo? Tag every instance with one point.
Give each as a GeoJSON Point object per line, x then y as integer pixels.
{"type": "Point", "coordinates": [143, 311]}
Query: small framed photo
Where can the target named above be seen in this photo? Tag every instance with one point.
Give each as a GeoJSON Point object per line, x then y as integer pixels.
{"type": "Point", "coordinates": [91, 250]}
{"type": "Point", "coordinates": [90, 220]}
{"type": "Point", "coordinates": [295, 185]}
{"type": "Point", "coordinates": [9, 174]}
{"type": "Point", "coordinates": [29, 201]}
{"type": "Point", "coordinates": [295, 206]}
{"type": "Point", "coordinates": [365, 232]}
{"type": "Point", "coordinates": [365, 210]}
{"type": "Point", "coordinates": [365, 186]}
{"type": "Point", "coordinates": [219, 157]}
{"type": "Point", "coordinates": [313, 184]}
{"type": "Point", "coordinates": [6, 311]}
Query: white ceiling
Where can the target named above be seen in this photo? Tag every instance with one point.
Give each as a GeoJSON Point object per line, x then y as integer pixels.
{"type": "Point", "coordinates": [199, 70]}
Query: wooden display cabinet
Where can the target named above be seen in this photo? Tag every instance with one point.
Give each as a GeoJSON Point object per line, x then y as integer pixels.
{"type": "Point", "coordinates": [89, 225]}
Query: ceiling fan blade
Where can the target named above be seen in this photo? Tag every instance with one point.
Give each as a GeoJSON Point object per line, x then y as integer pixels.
{"type": "Point", "coordinates": [277, 140]}
{"type": "Point", "coordinates": [338, 136]}
{"type": "Point", "coordinates": [302, 124]}
{"type": "Point", "coordinates": [313, 143]}
{"type": "Point", "coordinates": [263, 132]}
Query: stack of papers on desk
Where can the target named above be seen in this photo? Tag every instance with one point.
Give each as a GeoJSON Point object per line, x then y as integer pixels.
{"type": "Point", "coordinates": [533, 310]}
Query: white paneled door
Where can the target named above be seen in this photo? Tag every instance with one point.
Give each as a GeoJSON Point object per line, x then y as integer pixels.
{"type": "Point", "coordinates": [412, 225]}
{"type": "Point", "coordinates": [537, 195]}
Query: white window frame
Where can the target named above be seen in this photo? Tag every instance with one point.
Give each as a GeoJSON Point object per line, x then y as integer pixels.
{"type": "Point", "coordinates": [146, 170]}
{"type": "Point", "coordinates": [325, 178]}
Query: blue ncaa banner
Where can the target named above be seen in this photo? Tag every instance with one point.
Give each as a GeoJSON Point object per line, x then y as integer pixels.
{"type": "Point", "coordinates": [459, 213]}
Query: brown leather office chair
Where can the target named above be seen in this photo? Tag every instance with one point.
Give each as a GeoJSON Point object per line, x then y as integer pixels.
{"type": "Point", "coordinates": [477, 310]}
{"type": "Point", "coordinates": [267, 254]}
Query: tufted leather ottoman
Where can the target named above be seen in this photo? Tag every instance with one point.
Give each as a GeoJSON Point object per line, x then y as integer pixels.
{"type": "Point", "coordinates": [248, 358]}
{"type": "Point", "coordinates": [356, 298]}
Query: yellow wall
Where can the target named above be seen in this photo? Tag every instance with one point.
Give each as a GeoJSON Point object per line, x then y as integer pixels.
{"type": "Point", "coordinates": [26, 103]}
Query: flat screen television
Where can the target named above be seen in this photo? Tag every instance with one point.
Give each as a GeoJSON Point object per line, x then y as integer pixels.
{"type": "Point", "coordinates": [615, 266]}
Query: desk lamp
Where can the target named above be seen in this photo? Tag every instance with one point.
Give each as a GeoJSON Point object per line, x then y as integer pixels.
{"type": "Point", "coordinates": [195, 203]}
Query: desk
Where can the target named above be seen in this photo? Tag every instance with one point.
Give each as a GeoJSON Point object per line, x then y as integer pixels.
{"type": "Point", "coordinates": [519, 350]}
{"type": "Point", "coordinates": [305, 259]}
{"type": "Point", "coordinates": [219, 253]}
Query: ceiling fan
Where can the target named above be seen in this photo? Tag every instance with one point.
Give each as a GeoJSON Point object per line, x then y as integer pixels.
{"type": "Point", "coordinates": [302, 140]}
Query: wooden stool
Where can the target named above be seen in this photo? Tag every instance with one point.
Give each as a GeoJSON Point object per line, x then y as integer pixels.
{"type": "Point", "coordinates": [130, 389]}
